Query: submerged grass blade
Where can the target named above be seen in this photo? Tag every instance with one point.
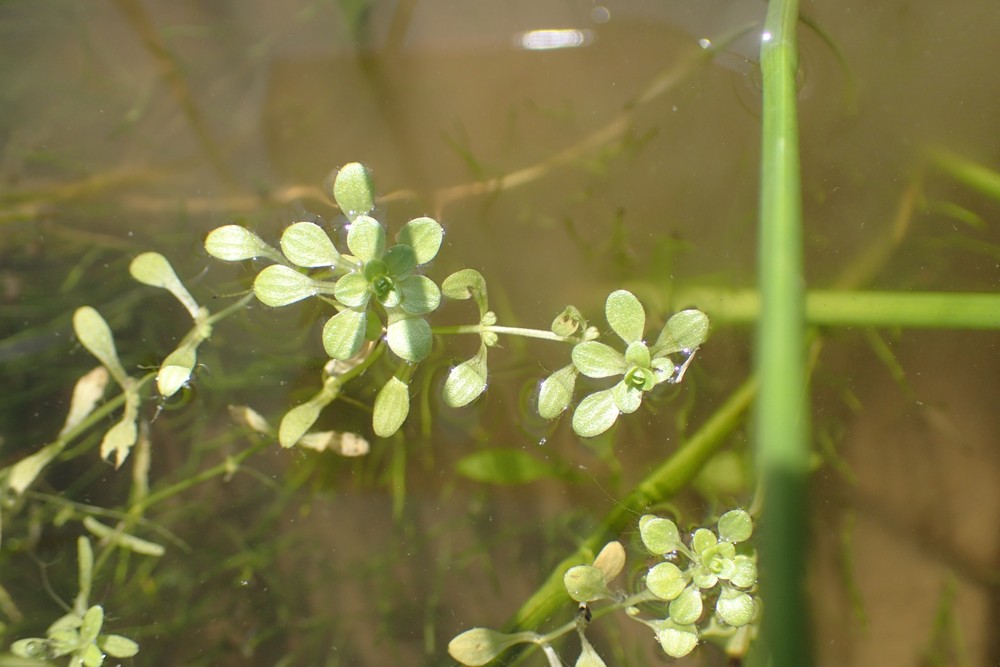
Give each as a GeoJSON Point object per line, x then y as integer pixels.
{"type": "Point", "coordinates": [781, 409]}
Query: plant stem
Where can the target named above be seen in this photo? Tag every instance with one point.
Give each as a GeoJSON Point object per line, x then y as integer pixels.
{"type": "Point", "coordinates": [781, 426]}
{"type": "Point", "coordinates": [845, 308]}
{"type": "Point", "coordinates": [662, 483]}
{"type": "Point", "coordinates": [510, 331]}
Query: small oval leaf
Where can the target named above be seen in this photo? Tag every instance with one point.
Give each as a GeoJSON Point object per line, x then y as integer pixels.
{"type": "Point", "coordinates": [279, 285]}
{"type": "Point", "coordinates": [556, 392]}
{"type": "Point", "coordinates": [305, 244]}
{"type": "Point", "coordinates": [625, 315]}
{"type": "Point", "coordinates": [232, 243]}
{"type": "Point", "coordinates": [392, 405]}
{"type": "Point", "coordinates": [467, 381]}
{"type": "Point", "coordinates": [424, 235]}
{"type": "Point", "coordinates": [353, 190]}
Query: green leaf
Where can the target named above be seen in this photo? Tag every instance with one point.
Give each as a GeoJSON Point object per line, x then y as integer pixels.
{"type": "Point", "coordinates": [735, 608]}
{"type": "Point", "coordinates": [366, 238]}
{"type": "Point", "coordinates": [507, 466]}
{"type": "Point", "coordinates": [409, 337]}
{"type": "Point", "coordinates": [663, 369]}
{"type": "Point", "coordinates": [568, 322]}
{"type": "Point", "coordinates": [305, 244]}
{"type": "Point", "coordinates": [595, 414]}
{"type": "Point", "coordinates": [175, 371]}
{"type": "Point", "coordinates": [677, 642]}
{"type": "Point", "coordinates": [400, 260]}
{"type": "Point", "coordinates": [686, 330]}
{"type": "Point", "coordinates": [627, 398]}
{"type": "Point", "coordinates": [297, 421]}
{"type": "Point", "coordinates": [625, 315]}
{"type": "Point", "coordinates": [686, 608]}
{"type": "Point", "coordinates": [637, 354]}
{"type": "Point", "coordinates": [556, 392]}
{"type": "Point", "coordinates": [703, 540]}
{"type": "Point", "coordinates": [392, 405]}
{"type": "Point", "coordinates": [666, 581]}
{"type": "Point", "coordinates": [92, 656]}
{"type": "Point", "coordinates": [588, 656]}
{"type": "Point", "coordinates": [478, 646]}
{"type": "Point", "coordinates": [279, 285]}
{"type": "Point", "coordinates": [424, 235]}
{"type": "Point", "coordinates": [95, 335]}
{"type": "Point", "coordinates": [466, 381]}
{"type": "Point", "coordinates": [117, 646]}
{"type": "Point", "coordinates": [353, 190]}
{"type": "Point", "coordinates": [34, 647]}
{"type": "Point", "coordinates": [419, 295]}
{"type": "Point", "coordinates": [93, 621]}
{"type": "Point", "coordinates": [586, 583]}
{"type": "Point", "coordinates": [233, 243]}
{"type": "Point", "coordinates": [153, 269]}
{"type": "Point", "coordinates": [659, 535]}
{"type": "Point", "coordinates": [465, 284]}
{"type": "Point", "coordinates": [735, 526]}
{"type": "Point", "coordinates": [745, 574]}
{"type": "Point", "coordinates": [597, 360]}
{"type": "Point", "coordinates": [352, 290]}
{"type": "Point", "coordinates": [119, 439]}
{"type": "Point", "coordinates": [344, 333]}
{"type": "Point", "coordinates": [23, 473]}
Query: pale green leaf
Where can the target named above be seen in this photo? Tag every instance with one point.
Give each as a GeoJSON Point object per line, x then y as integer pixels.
{"type": "Point", "coordinates": [595, 414]}
{"type": "Point", "coordinates": [597, 360]}
{"type": "Point", "coordinates": [352, 290]}
{"type": "Point", "coordinates": [93, 621]}
{"type": "Point", "coordinates": [735, 526]}
{"type": "Point", "coordinates": [687, 607]}
{"type": "Point", "coordinates": [556, 392]}
{"type": "Point", "coordinates": [627, 398]}
{"type": "Point", "coordinates": [87, 391]}
{"type": "Point", "coordinates": [478, 646]}
{"type": "Point", "coordinates": [677, 642]}
{"type": "Point", "coordinates": [409, 338]}
{"type": "Point", "coordinates": [175, 371]}
{"type": "Point", "coordinates": [465, 284]}
{"type": "Point", "coordinates": [734, 607]}
{"type": "Point", "coordinates": [400, 260]}
{"type": "Point", "coordinates": [297, 421]}
{"type": "Point", "coordinates": [95, 335]}
{"type": "Point", "coordinates": [666, 581]}
{"type": "Point", "coordinates": [611, 560]}
{"type": "Point", "coordinates": [466, 381]}
{"type": "Point", "coordinates": [745, 574]}
{"type": "Point", "coordinates": [35, 648]}
{"type": "Point", "coordinates": [659, 535]}
{"type": "Point", "coordinates": [625, 315]}
{"type": "Point", "coordinates": [152, 268]}
{"type": "Point", "coordinates": [392, 405]}
{"type": "Point", "coordinates": [22, 474]}
{"type": "Point", "coordinates": [424, 235]}
{"type": "Point", "coordinates": [586, 583]}
{"type": "Point", "coordinates": [353, 190]}
{"type": "Point", "coordinates": [119, 439]}
{"type": "Point", "coordinates": [685, 330]}
{"type": "Point", "coordinates": [117, 646]}
{"type": "Point", "coordinates": [233, 243]}
{"type": "Point", "coordinates": [92, 656]}
{"type": "Point", "coordinates": [366, 238]}
{"type": "Point", "coordinates": [419, 295]}
{"type": "Point", "coordinates": [344, 333]}
{"type": "Point", "coordinates": [305, 244]}
{"type": "Point", "coordinates": [507, 466]}
{"type": "Point", "coordinates": [279, 285]}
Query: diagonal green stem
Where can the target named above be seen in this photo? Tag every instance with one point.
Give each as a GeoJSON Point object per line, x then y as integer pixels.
{"type": "Point", "coordinates": [661, 484]}
{"type": "Point", "coordinates": [781, 428]}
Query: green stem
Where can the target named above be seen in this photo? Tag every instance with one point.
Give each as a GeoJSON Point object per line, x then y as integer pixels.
{"type": "Point", "coordinates": [510, 331]}
{"type": "Point", "coordinates": [662, 483]}
{"type": "Point", "coordinates": [781, 426]}
{"type": "Point", "coordinates": [924, 310]}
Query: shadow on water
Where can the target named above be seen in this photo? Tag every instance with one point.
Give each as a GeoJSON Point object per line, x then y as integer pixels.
{"type": "Point", "coordinates": [628, 161]}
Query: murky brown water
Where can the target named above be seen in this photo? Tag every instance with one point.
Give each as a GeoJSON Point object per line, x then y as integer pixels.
{"type": "Point", "coordinates": [633, 161]}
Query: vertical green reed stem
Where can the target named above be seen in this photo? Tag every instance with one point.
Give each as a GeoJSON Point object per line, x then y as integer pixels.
{"type": "Point", "coordinates": [781, 410]}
